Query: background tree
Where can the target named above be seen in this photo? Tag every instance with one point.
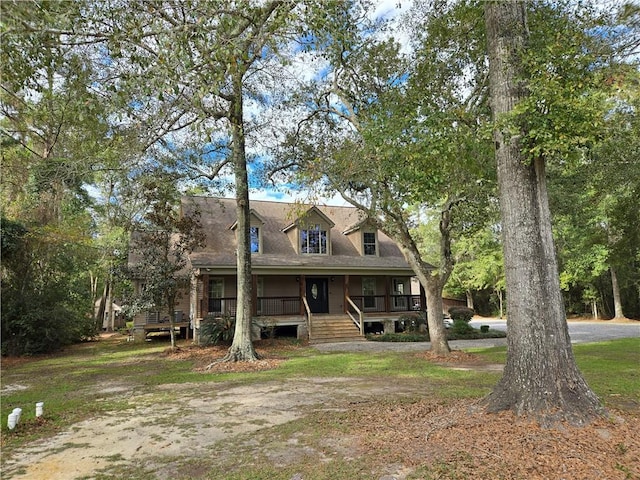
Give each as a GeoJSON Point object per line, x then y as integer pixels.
{"type": "Point", "coordinates": [160, 248]}
{"type": "Point", "coordinates": [595, 211]}
{"type": "Point", "coordinates": [386, 132]}
{"type": "Point", "coordinates": [55, 133]}
{"type": "Point", "coordinates": [479, 267]}
{"type": "Point", "coordinates": [188, 72]}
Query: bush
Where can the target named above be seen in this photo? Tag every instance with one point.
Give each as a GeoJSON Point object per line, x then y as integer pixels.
{"type": "Point", "coordinates": [411, 323]}
{"type": "Point", "coordinates": [399, 337]}
{"type": "Point", "coordinates": [214, 330]}
{"type": "Point", "coordinates": [461, 327]}
{"type": "Point", "coordinates": [461, 313]}
{"type": "Point", "coordinates": [45, 296]}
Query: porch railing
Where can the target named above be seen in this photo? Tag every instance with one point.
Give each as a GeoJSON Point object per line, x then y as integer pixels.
{"type": "Point", "coordinates": [275, 306]}
{"type": "Point", "coordinates": [278, 306]}
{"type": "Point", "coordinates": [220, 307]}
{"type": "Point", "coordinates": [353, 311]}
{"type": "Point", "coordinates": [378, 303]}
{"type": "Point", "coordinates": [308, 313]}
{"type": "Point", "coordinates": [268, 306]}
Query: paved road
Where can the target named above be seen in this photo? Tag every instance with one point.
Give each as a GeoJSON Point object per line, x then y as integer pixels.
{"type": "Point", "coordinates": [580, 332]}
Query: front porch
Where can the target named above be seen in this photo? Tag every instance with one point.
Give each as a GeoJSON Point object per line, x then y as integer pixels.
{"type": "Point", "coordinates": [364, 314]}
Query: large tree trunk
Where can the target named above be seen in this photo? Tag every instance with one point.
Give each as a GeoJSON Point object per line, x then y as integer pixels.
{"type": "Point", "coordinates": [541, 378]}
{"type": "Point", "coordinates": [617, 301]}
{"type": "Point", "coordinates": [242, 347]}
{"type": "Point", "coordinates": [433, 286]}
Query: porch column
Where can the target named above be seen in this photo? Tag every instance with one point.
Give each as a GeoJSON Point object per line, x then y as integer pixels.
{"type": "Point", "coordinates": [196, 308]}
{"type": "Point", "coordinates": [204, 299]}
{"type": "Point", "coordinates": [302, 293]}
{"type": "Point", "coordinates": [387, 290]}
{"type": "Point", "coordinates": [254, 295]}
{"type": "Point", "coordinates": [346, 293]}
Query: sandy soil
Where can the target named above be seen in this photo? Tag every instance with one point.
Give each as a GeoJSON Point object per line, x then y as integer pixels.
{"type": "Point", "coordinates": [186, 424]}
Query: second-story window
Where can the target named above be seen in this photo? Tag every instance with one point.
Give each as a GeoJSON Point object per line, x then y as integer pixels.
{"type": "Point", "coordinates": [254, 239]}
{"type": "Point", "coordinates": [369, 243]}
{"type": "Point", "coordinates": [313, 240]}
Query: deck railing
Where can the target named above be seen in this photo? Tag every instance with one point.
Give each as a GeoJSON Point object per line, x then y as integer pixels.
{"type": "Point", "coordinates": [220, 307]}
{"type": "Point", "coordinates": [266, 306]}
{"type": "Point", "coordinates": [278, 306]}
{"type": "Point", "coordinates": [275, 306]}
{"type": "Point", "coordinates": [378, 303]}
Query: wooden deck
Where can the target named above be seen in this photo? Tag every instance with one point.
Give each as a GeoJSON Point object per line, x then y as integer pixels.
{"type": "Point", "coordinates": [165, 327]}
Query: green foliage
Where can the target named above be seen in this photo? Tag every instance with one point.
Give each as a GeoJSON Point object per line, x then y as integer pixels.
{"type": "Point", "coordinates": [399, 337]}
{"type": "Point", "coordinates": [215, 330]}
{"type": "Point", "coordinates": [594, 201]}
{"type": "Point", "coordinates": [461, 314]}
{"type": "Point", "coordinates": [413, 323]}
{"type": "Point", "coordinates": [461, 327]}
{"type": "Point", "coordinates": [45, 302]}
{"type": "Point", "coordinates": [160, 246]}
{"type": "Point", "coordinates": [479, 263]}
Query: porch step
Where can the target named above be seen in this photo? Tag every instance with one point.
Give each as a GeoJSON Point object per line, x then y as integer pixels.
{"type": "Point", "coordinates": [334, 328]}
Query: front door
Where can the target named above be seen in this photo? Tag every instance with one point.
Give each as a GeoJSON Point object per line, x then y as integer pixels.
{"type": "Point", "coordinates": [318, 294]}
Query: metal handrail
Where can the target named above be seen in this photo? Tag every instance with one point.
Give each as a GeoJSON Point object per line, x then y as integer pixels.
{"type": "Point", "coordinates": [360, 323]}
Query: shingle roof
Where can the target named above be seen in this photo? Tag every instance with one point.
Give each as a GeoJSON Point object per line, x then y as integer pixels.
{"type": "Point", "coordinates": [218, 214]}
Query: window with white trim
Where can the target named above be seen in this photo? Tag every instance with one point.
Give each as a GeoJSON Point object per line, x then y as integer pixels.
{"type": "Point", "coordinates": [369, 243]}
{"type": "Point", "coordinates": [313, 240]}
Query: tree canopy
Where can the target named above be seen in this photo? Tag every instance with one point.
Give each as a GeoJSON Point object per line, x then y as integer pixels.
{"type": "Point", "coordinates": [96, 96]}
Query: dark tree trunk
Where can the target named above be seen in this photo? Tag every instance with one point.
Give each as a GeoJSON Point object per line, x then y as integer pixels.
{"type": "Point", "coordinates": [541, 378]}
{"type": "Point", "coordinates": [242, 347]}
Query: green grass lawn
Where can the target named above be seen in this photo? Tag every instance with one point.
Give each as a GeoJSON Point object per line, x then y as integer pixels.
{"type": "Point", "coordinates": [72, 384]}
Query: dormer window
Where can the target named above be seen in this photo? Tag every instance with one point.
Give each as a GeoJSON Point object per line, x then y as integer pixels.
{"type": "Point", "coordinates": [313, 240]}
{"type": "Point", "coordinates": [369, 243]}
{"type": "Point", "coordinates": [255, 231]}
{"type": "Point", "coordinates": [254, 239]}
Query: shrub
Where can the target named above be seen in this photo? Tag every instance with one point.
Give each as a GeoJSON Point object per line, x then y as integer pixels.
{"type": "Point", "coordinates": [461, 313]}
{"type": "Point", "coordinates": [412, 322]}
{"type": "Point", "coordinates": [214, 330]}
{"type": "Point", "coordinates": [461, 327]}
{"type": "Point", "coordinates": [399, 337]}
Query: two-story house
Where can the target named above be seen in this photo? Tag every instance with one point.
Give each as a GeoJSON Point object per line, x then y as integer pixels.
{"type": "Point", "coordinates": [321, 270]}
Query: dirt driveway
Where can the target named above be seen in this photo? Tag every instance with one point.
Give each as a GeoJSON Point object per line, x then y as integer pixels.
{"type": "Point", "coordinates": [177, 422]}
{"type": "Point", "coordinates": [304, 428]}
